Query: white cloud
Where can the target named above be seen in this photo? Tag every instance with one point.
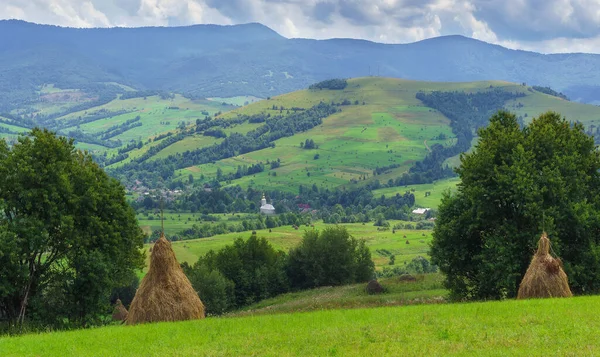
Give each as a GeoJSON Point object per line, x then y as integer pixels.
{"type": "Point", "coordinates": [540, 25]}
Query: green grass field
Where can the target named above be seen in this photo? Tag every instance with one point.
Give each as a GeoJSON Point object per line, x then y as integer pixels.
{"type": "Point", "coordinates": [176, 222]}
{"type": "Point", "coordinates": [287, 237]}
{"type": "Point", "coordinates": [428, 288]}
{"type": "Point", "coordinates": [392, 127]}
{"type": "Point", "coordinates": [156, 117]}
{"type": "Point", "coordinates": [547, 327]}
{"type": "Point", "coordinates": [421, 200]}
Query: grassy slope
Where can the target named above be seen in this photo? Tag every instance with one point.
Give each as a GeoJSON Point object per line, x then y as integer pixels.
{"type": "Point", "coordinates": [389, 129]}
{"type": "Point", "coordinates": [357, 140]}
{"type": "Point", "coordinates": [432, 201]}
{"type": "Point", "coordinates": [428, 288]}
{"type": "Point", "coordinates": [287, 237]}
{"type": "Point", "coordinates": [565, 327]}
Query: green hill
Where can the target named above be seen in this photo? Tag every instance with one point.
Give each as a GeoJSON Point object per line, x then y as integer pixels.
{"type": "Point", "coordinates": [380, 131]}
{"type": "Point", "coordinates": [565, 327]}
{"type": "Point", "coordinates": [383, 125]}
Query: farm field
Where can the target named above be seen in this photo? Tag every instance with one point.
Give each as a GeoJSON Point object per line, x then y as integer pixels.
{"type": "Point", "coordinates": [435, 189]}
{"type": "Point", "coordinates": [176, 222]}
{"type": "Point", "coordinates": [381, 243]}
{"type": "Point", "coordinates": [383, 125]}
{"type": "Point", "coordinates": [156, 115]}
{"type": "Point", "coordinates": [565, 327]}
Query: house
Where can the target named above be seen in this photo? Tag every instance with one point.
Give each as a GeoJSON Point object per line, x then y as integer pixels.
{"type": "Point", "coordinates": [420, 210]}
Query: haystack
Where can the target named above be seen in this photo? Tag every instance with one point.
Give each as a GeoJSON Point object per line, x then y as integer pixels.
{"type": "Point", "coordinates": [373, 287]}
{"type": "Point", "coordinates": [165, 293]}
{"type": "Point", "coordinates": [545, 276]}
{"type": "Point", "coordinates": [119, 312]}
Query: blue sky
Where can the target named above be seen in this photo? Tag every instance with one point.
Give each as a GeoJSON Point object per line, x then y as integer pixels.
{"type": "Point", "coordinates": [547, 26]}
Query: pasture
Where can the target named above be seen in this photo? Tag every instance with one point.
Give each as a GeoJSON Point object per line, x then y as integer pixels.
{"type": "Point", "coordinates": [427, 288]}
{"type": "Point", "coordinates": [381, 243]}
{"type": "Point", "coordinates": [175, 222]}
{"type": "Point", "coordinates": [544, 327]}
{"type": "Point", "coordinates": [383, 125]}
{"type": "Point", "coordinates": [435, 190]}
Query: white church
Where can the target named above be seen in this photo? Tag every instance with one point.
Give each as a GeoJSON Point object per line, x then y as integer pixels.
{"type": "Point", "coordinates": [266, 208]}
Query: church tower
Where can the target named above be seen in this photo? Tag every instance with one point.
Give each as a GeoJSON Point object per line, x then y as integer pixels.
{"type": "Point", "coordinates": [266, 208]}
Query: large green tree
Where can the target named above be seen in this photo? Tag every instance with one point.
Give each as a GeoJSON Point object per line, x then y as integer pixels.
{"type": "Point", "coordinates": [515, 184]}
{"type": "Point", "coordinates": [256, 269]}
{"type": "Point", "coordinates": [67, 234]}
{"type": "Point", "coordinates": [328, 258]}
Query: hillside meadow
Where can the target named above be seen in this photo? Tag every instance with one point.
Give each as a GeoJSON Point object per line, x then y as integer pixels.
{"type": "Point", "coordinates": [383, 124]}
{"type": "Point", "coordinates": [381, 243]}
{"type": "Point", "coordinates": [425, 289]}
{"type": "Point", "coordinates": [564, 327]}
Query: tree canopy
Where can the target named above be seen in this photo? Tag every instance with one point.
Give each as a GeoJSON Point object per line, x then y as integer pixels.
{"type": "Point", "coordinates": [67, 234]}
{"type": "Point", "coordinates": [517, 183]}
{"type": "Point", "coordinates": [329, 258]}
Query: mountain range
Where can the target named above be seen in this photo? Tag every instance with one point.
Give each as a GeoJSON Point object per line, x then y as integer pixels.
{"type": "Point", "coordinates": [251, 59]}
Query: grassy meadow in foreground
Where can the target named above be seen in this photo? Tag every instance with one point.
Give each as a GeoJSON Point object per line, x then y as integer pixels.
{"type": "Point", "coordinates": [549, 327]}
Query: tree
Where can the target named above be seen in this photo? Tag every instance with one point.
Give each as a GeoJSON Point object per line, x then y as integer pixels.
{"type": "Point", "coordinates": [517, 183]}
{"type": "Point", "coordinates": [215, 291]}
{"type": "Point", "coordinates": [253, 265]}
{"type": "Point", "coordinates": [67, 234]}
{"type": "Point", "coordinates": [329, 257]}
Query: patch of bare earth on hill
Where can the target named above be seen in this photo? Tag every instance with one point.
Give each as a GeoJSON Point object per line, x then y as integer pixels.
{"type": "Point", "coordinates": [389, 134]}
{"type": "Point", "coordinates": [418, 118]}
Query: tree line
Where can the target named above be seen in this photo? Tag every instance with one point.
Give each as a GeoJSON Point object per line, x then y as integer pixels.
{"type": "Point", "coordinates": [235, 144]}
{"type": "Point", "coordinates": [252, 270]}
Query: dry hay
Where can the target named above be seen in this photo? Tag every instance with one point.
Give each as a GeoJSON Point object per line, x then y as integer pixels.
{"type": "Point", "coordinates": [119, 312]}
{"type": "Point", "coordinates": [545, 276]}
{"type": "Point", "coordinates": [165, 293]}
{"type": "Point", "coordinates": [373, 287]}
{"type": "Point", "coordinates": [407, 277]}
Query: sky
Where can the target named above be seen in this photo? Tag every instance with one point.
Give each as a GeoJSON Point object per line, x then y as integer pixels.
{"type": "Point", "coordinates": [547, 26]}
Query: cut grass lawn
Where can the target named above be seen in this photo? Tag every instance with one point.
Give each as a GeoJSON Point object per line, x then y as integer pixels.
{"type": "Point", "coordinates": [547, 327]}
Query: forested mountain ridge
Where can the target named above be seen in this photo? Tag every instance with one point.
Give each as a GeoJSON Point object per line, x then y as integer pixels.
{"type": "Point", "coordinates": [251, 59]}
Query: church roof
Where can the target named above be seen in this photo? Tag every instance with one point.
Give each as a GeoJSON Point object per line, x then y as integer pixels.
{"type": "Point", "coordinates": [267, 206]}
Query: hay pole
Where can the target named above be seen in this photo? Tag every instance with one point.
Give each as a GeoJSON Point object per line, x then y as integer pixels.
{"type": "Point", "coordinates": [162, 216]}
